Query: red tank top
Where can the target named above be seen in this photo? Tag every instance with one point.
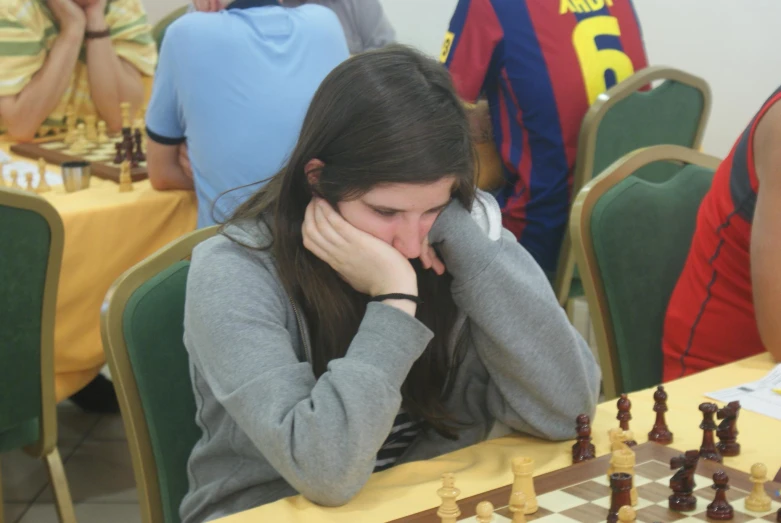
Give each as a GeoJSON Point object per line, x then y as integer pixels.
{"type": "Point", "coordinates": [710, 318]}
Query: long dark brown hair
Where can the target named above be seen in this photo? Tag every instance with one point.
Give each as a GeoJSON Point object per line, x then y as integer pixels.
{"type": "Point", "coordinates": [381, 117]}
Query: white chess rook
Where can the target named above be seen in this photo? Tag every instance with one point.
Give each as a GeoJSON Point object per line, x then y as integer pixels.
{"type": "Point", "coordinates": [522, 470]}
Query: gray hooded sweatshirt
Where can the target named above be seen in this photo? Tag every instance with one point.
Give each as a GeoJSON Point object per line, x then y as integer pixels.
{"type": "Point", "coordinates": [271, 430]}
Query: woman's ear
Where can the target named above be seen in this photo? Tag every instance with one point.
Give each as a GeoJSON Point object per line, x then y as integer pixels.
{"type": "Point", "coordinates": [312, 170]}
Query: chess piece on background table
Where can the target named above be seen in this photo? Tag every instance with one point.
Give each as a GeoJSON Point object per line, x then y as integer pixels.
{"type": "Point", "coordinates": [627, 514]}
{"type": "Point", "coordinates": [102, 136]}
{"type": "Point", "coordinates": [43, 185]}
{"type": "Point", "coordinates": [624, 415]}
{"type": "Point", "coordinates": [720, 509]}
{"type": "Point", "coordinates": [124, 109]}
{"type": "Point", "coordinates": [708, 448]}
{"type": "Point", "coordinates": [70, 125]}
{"type": "Point", "coordinates": [138, 154]}
{"type": "Point", "coordinates": [80, 145]}
{"type": "Point", "coordinates": [91, 132]}
{"type": "Point", "coordinates": [758, 500]}
{"type": "Point", "coordinates": [28, 177]}
{"type": "Point", "coordinates": [778, 516]}
{"type": "Point", "coordinates": [485, 512]}
{"type": "Point", "coordinates": [728, 429]}
{"type": "Point", "coordinates": [523, 468]}
{"type": "Point", "coordinates": [125, 180]}
{"type": "Point", "coordinates": [660, 433]}
{"type": "Point", "coordinates": [448, 511]}
{"type": "Point", "coordinates": [620, 487]}
{"type": "Point", "coordinates": [682, 483]}
{"type": "Point", "coordinates": [518, 506]}
{"type": "Point", "coordinates": [583, 449]}
{"type": "Point", "coordinates": [2, 175]}
{"type": "Point", "coordinates": [623, 460]}
{"type": "Point", "coordinates": [15, 179]}
{"type": "Point", "coordinates": [120, 156]}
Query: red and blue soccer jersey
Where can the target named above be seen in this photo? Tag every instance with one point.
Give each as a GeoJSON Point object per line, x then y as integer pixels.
{"type": "Point", "coordinates": [540, 64]}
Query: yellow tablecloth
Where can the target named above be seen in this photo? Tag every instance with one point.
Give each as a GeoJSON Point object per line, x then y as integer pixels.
{"type": "Point", "coordinates": [106, 233]}
{"type": "Point", "coordinates": [411, 488]}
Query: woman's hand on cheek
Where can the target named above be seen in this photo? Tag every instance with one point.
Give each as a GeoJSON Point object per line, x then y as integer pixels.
{"type": "Point", "coordinates": [368, 264]}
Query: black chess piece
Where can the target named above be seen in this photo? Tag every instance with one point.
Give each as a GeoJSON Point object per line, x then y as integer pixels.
{"type": "Point", "coordinates": [620, 488]}
{"type": "Point", "coordinates": [583, 449]}
{"type": "Point", "coordinates": [708, 448]}
{"type": "Point", "coordinates": [682, 483]}
{"type": "Point", "coordinates": [120, 156]}
{"type": "Point", "coordinates": [720, 509]}
{"type": "Point", "coordinates": [660, 433]}
{"type": "Point", "coordinates": [728, 430]}
{"type": "Point", "coordinates": [139, 155]}
{"type": "Point", "coordinates": [778, 516]}
{"type": "Point", "coordinates": [624, 415]}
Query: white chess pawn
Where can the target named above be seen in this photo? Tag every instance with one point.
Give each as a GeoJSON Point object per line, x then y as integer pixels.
{"type": "Point", "coordinates": [15, 179]}
{"type": "Point", "coordinates": [485, 512]}
{"type": "Point", "coordinates": [758, 500]}
{"type": "Point", "coordinates": [102, 137]}
{"type": "Point", "coordinates": [91, 130]}
{"type": "Point", "coordinates": [517, 506]}
{"type": "Point", "coordinates": [29, 179]}
{"type": "Point", "coordinates": [627, 514]}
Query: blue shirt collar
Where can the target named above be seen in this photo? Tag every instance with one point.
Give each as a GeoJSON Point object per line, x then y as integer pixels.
{"type": "Point", "coordinates": [246, 4]}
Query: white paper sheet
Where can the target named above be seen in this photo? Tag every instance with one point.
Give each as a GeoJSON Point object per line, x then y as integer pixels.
{"type": "Point", "coordinates": [758, 396]}
{"type": "Point", "coordinates": [23, 167]}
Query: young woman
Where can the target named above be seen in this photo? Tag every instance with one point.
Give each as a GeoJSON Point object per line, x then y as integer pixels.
{"type": "Point", "coordinates": [354, 314]}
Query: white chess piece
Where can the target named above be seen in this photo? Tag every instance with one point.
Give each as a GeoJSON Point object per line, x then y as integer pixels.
{"type": "Point", "coordinates": [485, 512]}
{"type": "Point", "coordinates": [627, 514]}
{"type": "Point", "coordinates": [448, 511]}
{"type": "Point", "coordinates": [517, 506]}
{"type": "Point", "coordinates": [522, 470]}
{"type": "Point", "coordinates": [758, 500]}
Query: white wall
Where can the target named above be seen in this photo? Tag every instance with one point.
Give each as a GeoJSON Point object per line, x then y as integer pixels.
{"type": "Point", "coordinates": [734, 47]}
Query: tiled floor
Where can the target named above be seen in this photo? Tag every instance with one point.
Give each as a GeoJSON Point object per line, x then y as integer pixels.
{"type": "Point", "coordinates": [97, 463]}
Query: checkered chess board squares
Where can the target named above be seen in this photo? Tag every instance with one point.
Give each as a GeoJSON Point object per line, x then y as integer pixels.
{"type": "Point", "coordinates": [588, 502]}
{"type": "Point", "coordinates": [95, 153]}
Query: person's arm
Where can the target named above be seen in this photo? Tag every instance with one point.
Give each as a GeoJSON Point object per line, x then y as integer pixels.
{"type": "Point", "coordinates": [321, 434]}
{"type": "Point", "coordinates": [112, 80]}
{"type": "Point", "coordinates": [542, 372]}
{"type": "Point", "coordinates": [24, 111]}
{"type": "Point", "coordinates": [766, 231]}
{"type": "Point", "coordinates": [489, 164]}
{"type": "Point", "coordinates": [168, 166]}
{"type": "Point", "coordinates": [374, 28]}
{"type": "Point", "coordinates": [166, 146]}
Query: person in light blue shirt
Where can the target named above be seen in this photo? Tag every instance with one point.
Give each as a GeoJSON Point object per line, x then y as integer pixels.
{"type": "Point", "coordinates": [230, 94]}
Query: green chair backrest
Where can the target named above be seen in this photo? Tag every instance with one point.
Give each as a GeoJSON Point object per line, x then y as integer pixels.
{"type": "Point", "coordinates": [641, 232]}
{"type": "Point", "coordinates": [153, 326]}
{"type": "Point", "coordinates": [159, 29]}
{"type": "Point", "coordinates": [669, 114]}
{"type": "Point", "coordinates": [25, 239]}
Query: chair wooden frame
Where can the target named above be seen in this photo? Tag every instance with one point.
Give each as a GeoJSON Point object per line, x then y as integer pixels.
{"type": "Point", "coordinates": [580, 230]}
{"type": "Point", "coordinates": [112, 333]}
{"type": "Point", "coordinates": [46, 446]}
{"type": "Point", "coordinates": [587, 143]}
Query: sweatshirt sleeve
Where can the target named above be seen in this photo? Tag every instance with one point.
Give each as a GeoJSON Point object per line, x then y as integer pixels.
{"type": "Point", "coordinates": [322, 435]}
{"type": "Point", "coordinates": [542, 373]}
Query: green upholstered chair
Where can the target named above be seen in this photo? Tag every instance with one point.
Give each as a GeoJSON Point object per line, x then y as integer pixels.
{"type": "Point", "coordinates": [631, 237]}
{"type": "Point", "coordinates": [142, 325]}
{"type": "Point", "coordinates": [159, 29]}
{"type": "Point", "coordinates": [626, 118]}
{"type": "Point", "coordinates": [31, 243]}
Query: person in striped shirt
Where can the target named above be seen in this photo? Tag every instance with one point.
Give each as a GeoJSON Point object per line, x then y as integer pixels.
{"type": "Point", "coordinates": [539, 64]}
{"type": "Point", "coordinates": [86, 54]}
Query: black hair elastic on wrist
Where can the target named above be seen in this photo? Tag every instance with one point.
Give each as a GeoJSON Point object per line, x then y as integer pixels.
{"type": "Point", "coordinates": [397, 296]}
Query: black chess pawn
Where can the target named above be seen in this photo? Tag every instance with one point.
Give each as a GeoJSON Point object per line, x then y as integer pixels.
{"type": "Point", "coordinates": [728, 430]}
{"type": "Point", "coordinates": [624, 415]}
{"type": "Point", "coordinates": [120, 156]}
{"type": "Point", "coordinates": [139, 150]}
{"type": "Point", "coordinates": [660, 433]}
{"type": "Point", "coordinates": [708, 448]}
{"type": "Point", "coordinates": [720, 509]}
{"type": "Point", "coordinates": [583, 449]}
{"type": "Point", "coordinates": [778, 516]}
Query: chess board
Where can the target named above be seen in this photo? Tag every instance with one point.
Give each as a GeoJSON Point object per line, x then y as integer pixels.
{"type": "Point", "coordinates": [100, 157]}
{"type": "Point", "coordinates": [581, 493]}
